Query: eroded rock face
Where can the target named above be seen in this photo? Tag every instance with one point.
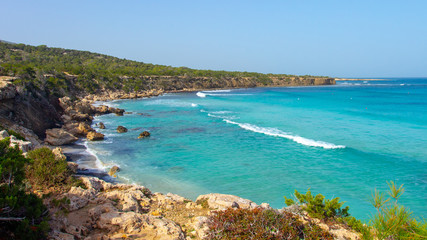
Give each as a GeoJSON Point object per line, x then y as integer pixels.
{"type": "Point", "coordinates": [121, 129]}
{"type": "Point", "coordinates": [58, 136]}
{"type": "Point", "coordinates": [25, 146]}
{"type": "Point", "coordinates": [224, 201]}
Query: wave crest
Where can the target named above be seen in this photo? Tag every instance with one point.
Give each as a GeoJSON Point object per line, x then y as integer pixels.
{"type": "Point", "coordinates": [277, 133]}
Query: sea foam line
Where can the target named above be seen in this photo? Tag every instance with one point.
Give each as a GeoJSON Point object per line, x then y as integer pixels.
{"type": "Point", "coordinates": [210, 93]}
{"type": "Point", "coordinates": [277, 133]}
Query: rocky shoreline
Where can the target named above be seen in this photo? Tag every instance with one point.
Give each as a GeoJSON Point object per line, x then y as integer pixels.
{"type": "Point", "coordinates": [102, 209]}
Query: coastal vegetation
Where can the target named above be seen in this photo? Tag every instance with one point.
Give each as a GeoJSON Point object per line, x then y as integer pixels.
{"type": "Point", "coordinates": [64, 72]}
{"type": "Point", "coordinates": [261, 224]}
{"type": "Point", "coordinates": [23, 215]}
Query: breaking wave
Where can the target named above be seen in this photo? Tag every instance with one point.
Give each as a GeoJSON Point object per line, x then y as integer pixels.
{"type": "Point", "coordinates": [277, 133]}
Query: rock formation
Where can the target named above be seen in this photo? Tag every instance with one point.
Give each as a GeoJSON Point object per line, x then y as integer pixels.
{"type": "Point", "coordinates": [144, 134]}
{"type": "Point", "coordinates": [101, 125]}
{"type": "Point", "coordinates": [121, 129]}
{"type": "Point", "coordinates": [113, 171]}
{"type": "Point", "coordinates": [58, 136]}
{"type": "Point", "coordinates": [95, 136]}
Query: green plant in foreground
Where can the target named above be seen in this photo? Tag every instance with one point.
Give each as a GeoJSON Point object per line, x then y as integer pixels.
{"type": "Point", "coordinates": [45, 170]}
{"type": "Point", "coordinates": [261, 224]}
{"type": "Point", "coordinates": [319, 207]}
{"type": "Point", "coordinates": [22, 215]}
{"type": "Point", "coordinates": [394, 221]}
{"type": "Point", "coordinates": [329, 210]}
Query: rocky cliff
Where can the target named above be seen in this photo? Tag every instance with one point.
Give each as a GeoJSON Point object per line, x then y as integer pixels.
{"type": "Point", "coordinates": [31, 109]}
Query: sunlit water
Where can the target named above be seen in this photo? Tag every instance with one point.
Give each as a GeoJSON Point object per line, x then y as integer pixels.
{"type": "Point", "coordinates": [263, 143]}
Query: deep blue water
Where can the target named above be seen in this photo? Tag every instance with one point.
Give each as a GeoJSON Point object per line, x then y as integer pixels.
{"type": "Point", "coordinates": [262, 143]}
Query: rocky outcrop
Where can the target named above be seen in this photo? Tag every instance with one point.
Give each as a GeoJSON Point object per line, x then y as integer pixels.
{"type": "Point", "coordinates": [223, 201]}
{"type": "Point", "coordinates": [95, 136]}
{"type": "Point", "coordinates": [121, 129]}
{"type": "Point", "coordinates": [58, 136]}
{"type": "Point", "coordinates": [25, 146]}
{"type": "Point", "coordinates": [29, 108]}
{"type": "Point", "coordinates": [104, 210]}
{"type": "Point", "coordinates": [113, 171]}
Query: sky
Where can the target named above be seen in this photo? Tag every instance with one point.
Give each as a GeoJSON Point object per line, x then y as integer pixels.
{"type": "Point", "coordinates": [341, 38]}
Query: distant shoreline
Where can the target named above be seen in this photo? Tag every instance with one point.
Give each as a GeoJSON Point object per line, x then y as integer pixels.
{"type": "Point", "coordinates": [360, 79]}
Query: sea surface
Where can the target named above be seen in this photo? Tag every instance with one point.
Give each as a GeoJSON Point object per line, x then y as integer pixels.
{"type": "Point", "coordinates": [342, 141]}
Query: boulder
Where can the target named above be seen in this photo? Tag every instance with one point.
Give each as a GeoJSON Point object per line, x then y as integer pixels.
{"type": "Point", "coordinates": [82, 117]}
{"type": "Point", "coordinates": [121, 129]}
{"type": "Point", "coordinates": [113, 171]}
{"type": "Point", "coordinates": [3, 134]}
{"type": "Point", "coordinates": [223, 201]}
{"type": "Point", "coordinates": [84, 128]}
{"type": "Point", "coordinates": [144, 134]}
{"type": "Point", "coordinates": [101, 125]}
{"type": "Point", "coordinates": [84, 107]}
{"type": "Point", "coordinates": [59, 155]}
{"type": "Point", "coordinates": [72, 166]}
{"type": "Point", "coordinates": [58, 136]}
{"type": "Point", "coordinates": [103, 109]}
{"type": "Point", "coordinates": [25, 146]}
{"type": "Point", "coordinates": [95, 136]}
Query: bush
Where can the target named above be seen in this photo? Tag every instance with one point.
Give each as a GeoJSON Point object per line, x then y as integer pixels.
{"type": "Point", "coordinates": [261, 224]}
{"type": "Point", "coordinates": [45, 170]}
{"type": "Point", "coordinates": [318, 207]}
{"type": "Point", "coordinates": [394, 221]}
{"type": "Point", "coordinates": [21, 214]}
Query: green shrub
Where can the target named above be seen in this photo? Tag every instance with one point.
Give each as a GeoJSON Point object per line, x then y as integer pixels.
{"type": "Point", "coordinates": [21, 214]}
{"type": "Point", "coordinates": [394, 221]}
{"type": "Point", "coordinates": [318, 207]}
{"type": "Point", "coordinates": [261, 224]}
{"type": "Point", "coordinates": [45, 170]}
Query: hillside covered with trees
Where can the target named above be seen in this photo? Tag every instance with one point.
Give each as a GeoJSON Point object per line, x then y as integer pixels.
{"type": "Point", "coordinates": [67, 72]}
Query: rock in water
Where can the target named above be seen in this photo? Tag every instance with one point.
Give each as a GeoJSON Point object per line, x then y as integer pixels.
{"type": "Point", "coordinates": [113, 171]}
{"type": "Point", "coordinates": [58, 136]}
{"type": "Point", "coordinates": [95, 136]}
{"type": "Point", "coordinates": [144, 134]}
{"type": "Point", "coordinates": [121, 129]}
{"type": "Point", "coordinates": [101, 125]}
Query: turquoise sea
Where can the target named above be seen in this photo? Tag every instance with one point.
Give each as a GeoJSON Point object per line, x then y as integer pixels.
{"type": "Point", "coordinates": [262, 143]}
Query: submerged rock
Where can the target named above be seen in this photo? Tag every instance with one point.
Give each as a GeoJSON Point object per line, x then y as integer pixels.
{"type": "Point", "coordinates": [113, 171]}
{"type": "Point", "coordinates": [121, 129]}
{"type": "Point", "coordinates": [144, 134]}
{"type": "Point", "coordinates": [95, 136]}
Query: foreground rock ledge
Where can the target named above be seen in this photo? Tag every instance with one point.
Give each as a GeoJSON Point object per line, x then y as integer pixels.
{"type": "Point", "coordinates": [104, 210]}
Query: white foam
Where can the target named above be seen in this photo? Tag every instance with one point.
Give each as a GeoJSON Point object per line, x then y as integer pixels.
{"type": "Point", "coordinates": [200, 94]}
{"type": "Point", "coordinates": [214, 91]}
{"type": "Point", "coordinates": [222, 112]}
{"type": "Point", "coordinates": [98, 162]}
{"type": "Point", "coordinates": [222, 117]}
{"type": "Point", "coordinates": [277, 133]}
{"type": "Point", "coordinates": [194, 105]}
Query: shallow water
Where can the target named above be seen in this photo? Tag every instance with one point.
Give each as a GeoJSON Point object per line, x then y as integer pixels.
{"type": "Point", "coordinates": [261, 144]}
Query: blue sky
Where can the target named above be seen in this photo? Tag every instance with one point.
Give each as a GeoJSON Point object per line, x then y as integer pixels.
{"type": "Point", "coordinates": [341, 38]}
